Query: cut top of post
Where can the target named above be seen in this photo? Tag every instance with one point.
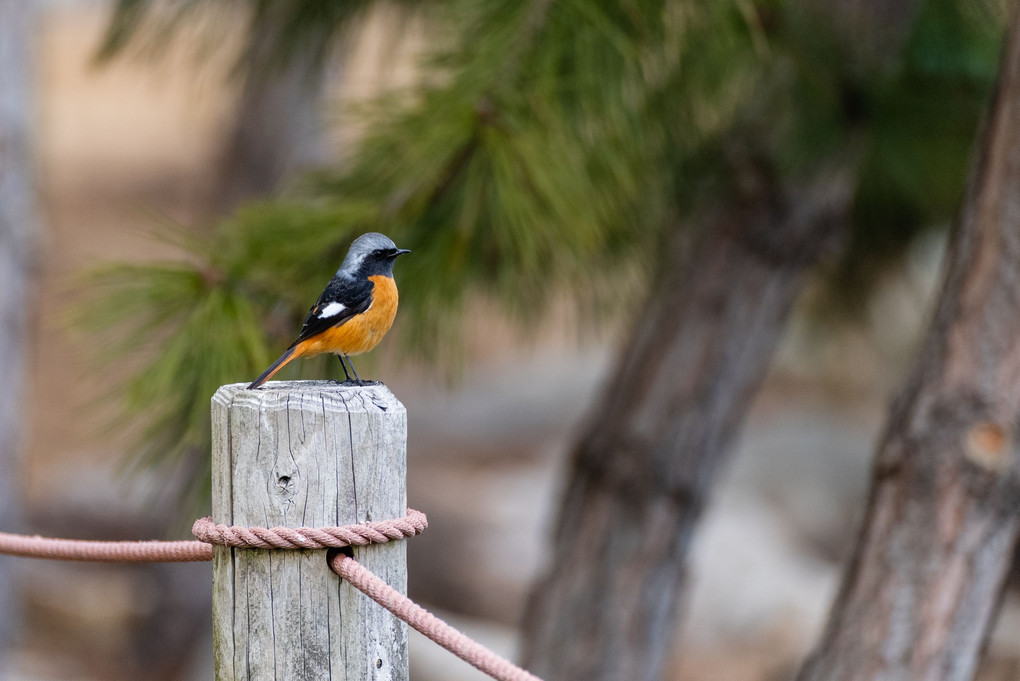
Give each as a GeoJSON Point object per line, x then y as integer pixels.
{"type": "Point", "coordinates": [303, 453]}
{"type": "Point", "coordinates": [328, 395]}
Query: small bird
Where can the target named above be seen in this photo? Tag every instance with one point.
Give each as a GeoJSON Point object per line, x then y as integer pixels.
{"type": "Point", "coordinates": [354, 312]}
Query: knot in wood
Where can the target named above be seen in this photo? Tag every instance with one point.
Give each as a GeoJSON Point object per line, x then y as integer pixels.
{"type": "Point", "coordinates": [988, 445]}
{"type": "Point", "coordinates": [362, 534]}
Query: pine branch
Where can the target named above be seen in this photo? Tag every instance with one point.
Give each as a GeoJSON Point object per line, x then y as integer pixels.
{"type": "Point", "coordinates": [553, 170]}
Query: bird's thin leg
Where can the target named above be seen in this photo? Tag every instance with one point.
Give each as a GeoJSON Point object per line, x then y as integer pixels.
{"type": "Point", "coordinates": [346, 375]}
{"type": "Point", "coordinates": [358, 378]}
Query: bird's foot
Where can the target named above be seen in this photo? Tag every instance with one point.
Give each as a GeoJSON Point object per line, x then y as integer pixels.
{"type": "Point", "coordinates": [357, 382]}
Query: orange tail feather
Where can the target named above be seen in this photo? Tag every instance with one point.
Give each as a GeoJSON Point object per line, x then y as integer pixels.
{"type": "Point", "coordinates": [283, 360]}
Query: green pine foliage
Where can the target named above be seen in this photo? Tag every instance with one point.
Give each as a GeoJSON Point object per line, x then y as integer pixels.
{"type": "Point", "coordinates": [920, 121]}
{"type": "Point", "coordinates": [548, 148]}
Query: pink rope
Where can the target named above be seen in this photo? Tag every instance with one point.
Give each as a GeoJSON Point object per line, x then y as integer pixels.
{"type": "Point", "coordinates": [209, 532]}
{"type": "Point", "coordinates": [104, 551]}
{"type": "Point", "coordinates": [459, 644]}
{"type": "Point", "coordinates": [376, 532]}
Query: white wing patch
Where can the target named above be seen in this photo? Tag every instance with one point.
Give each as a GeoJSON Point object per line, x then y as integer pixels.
{"type": "Point", "coordinates": [331, 310]}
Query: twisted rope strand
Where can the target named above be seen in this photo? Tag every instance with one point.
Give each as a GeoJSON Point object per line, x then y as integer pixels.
{"type": "Point", "coordinates": [104, 551]}
{"type": "Point", "coordinates": [208, 533]}
{"type": "Point", "coordinates": [458, 643]}
{"type": "Point", "coordinates": [375, 532]}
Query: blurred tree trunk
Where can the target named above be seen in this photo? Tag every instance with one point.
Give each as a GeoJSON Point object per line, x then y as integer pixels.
{"type": "Point", "coordinates": [17, 231]}
{"type": "Point", "coordinates": [277, 129]}
{"type": "Point", "coordinates": [644, 466]}
{"type": "Point", "coordinates": [923, 587]}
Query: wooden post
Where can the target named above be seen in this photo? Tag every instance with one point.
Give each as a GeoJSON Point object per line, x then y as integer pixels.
{"type": "Point", "coordinates": [306, 453]}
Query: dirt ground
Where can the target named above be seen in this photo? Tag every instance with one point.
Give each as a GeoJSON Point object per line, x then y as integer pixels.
{"type": "Point", "coordinates": [126, 145]}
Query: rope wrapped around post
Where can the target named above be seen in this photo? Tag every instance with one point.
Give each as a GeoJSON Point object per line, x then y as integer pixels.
{"type": "Point", "coordinates": [316, 454]}
{"type": "Point", "coordinates": [207, 532]}
{"type": "Point", "coordinates": [361, 534]}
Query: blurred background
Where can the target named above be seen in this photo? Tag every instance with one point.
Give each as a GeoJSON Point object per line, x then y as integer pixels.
{"type": "Point", "coordinates": [145, 136]}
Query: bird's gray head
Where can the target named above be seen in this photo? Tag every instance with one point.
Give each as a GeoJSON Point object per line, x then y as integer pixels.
{"type": "Point", "coordinates": [371, 253]}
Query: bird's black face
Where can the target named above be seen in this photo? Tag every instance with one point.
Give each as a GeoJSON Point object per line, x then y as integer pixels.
{"type": "Point", "coordinates": [380, 261]}
{"type": "Point", "coordinates": [388, 253]}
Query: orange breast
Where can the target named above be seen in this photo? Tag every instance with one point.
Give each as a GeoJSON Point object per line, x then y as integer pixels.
{"type": "Point", "coordinates": [362, 332]}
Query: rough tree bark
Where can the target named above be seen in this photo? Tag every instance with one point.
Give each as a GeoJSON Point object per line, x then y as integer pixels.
{"type": "Point", "coordinates": [642, 470]}
{"type": "Point", "coordinates": [17, 231]}
{"type": "Point", "coordinates": [922, 589]}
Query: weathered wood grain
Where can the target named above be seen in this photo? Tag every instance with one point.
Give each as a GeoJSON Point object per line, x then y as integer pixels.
{"type": "Point", "coordinates": [306, 453]}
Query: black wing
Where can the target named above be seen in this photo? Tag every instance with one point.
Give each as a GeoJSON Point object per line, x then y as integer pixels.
{"type": "Point", "coordinates": [354, 295]}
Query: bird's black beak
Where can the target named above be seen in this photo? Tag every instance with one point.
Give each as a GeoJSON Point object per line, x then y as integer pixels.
{"type": "Point", "coordinates": [400, 251]}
